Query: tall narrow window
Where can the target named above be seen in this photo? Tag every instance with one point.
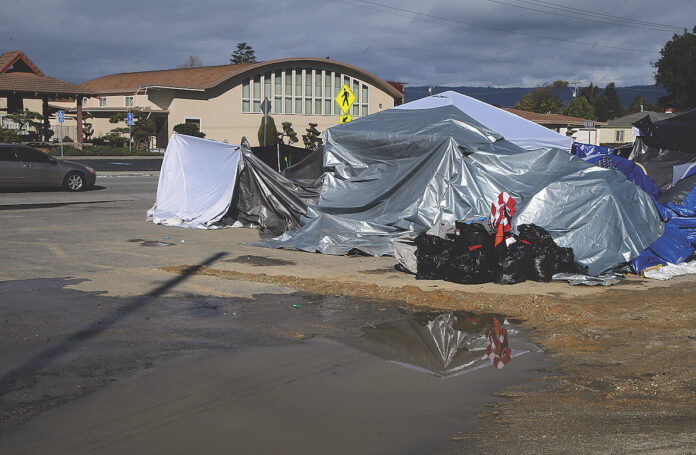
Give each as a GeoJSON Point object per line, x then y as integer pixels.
{"type": "Point", "coordinates": [267, 87]}
{"type": "Point", "coordinates": [298, 90]}
{"type": "Point", "coordinates": [102, 101]}
{"type": "Point", "coordinates": [278, 95]}
{"type": "Point", "coordinates": [128, 101]}
{"type": "Point", "coordinates": [308, 92]}
{"type": "Point", "coordinates": [364, 100]}
{"type": "Point", "coordinates": [246, 97]}
{"type": "Point", "coordinates": [257, 94]}
{"type": "Point", "coordinates": [337, 89]}
{"type": "Point", "coordinates": [327, 93]}
{"type": "Point", "coordinates": [317, 92]}
{"type": "Point", "coordinates": [288, 91]}
{"type": "Point", "coordinates": [356, 92]}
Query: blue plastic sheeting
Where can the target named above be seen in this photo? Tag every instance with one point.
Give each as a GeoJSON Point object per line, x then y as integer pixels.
{"type": "Point", "coordinates": [585, 151]}
{"type": "Point", "coordinates": [515, 129]}
{"type": "Point", "coordinates": [594, 153]}
{"type": "Point", "coordinates": [678, 241]}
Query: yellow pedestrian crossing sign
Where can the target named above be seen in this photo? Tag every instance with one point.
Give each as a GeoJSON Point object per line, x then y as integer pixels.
{"type": "Point", "coordinates": [344, 119]}
{"type": "Point", "coordinates": [345, 98]}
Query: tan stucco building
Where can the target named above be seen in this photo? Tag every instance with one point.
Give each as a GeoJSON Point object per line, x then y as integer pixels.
{"type": "Point", "coordinates": [225, 101]}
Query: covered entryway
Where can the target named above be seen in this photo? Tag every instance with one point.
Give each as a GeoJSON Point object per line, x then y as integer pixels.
{"type": "Point", "coordinates": [20, 79]}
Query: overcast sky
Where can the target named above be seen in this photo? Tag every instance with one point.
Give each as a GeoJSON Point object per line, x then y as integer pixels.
{"type": "Point", "coordinates": [441, 42]}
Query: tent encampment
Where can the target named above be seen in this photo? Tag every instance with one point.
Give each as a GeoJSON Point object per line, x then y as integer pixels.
{"type": "Point", "coordinates": [404, 170]}
{"type": "Point", "coordinates": [515, 129]}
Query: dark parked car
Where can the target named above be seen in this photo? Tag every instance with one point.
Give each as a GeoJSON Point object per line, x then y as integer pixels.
{"type": "Point", "coordinates": [22, 166]}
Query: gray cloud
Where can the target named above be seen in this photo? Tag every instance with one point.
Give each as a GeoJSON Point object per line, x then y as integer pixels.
{"type": "Point", "coordinates": [78, 40]}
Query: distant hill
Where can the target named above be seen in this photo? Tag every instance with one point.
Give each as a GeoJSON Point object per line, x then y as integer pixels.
{"type": "Point", "coordinates": [507, 97]}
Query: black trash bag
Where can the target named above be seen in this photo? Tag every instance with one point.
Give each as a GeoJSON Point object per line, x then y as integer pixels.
{"type": "Point", "coordinates": [547, 257]}
{"type": "Point", "coordinates": [471, 265]}
{"type": "Point", "coordinates": [432, 257]}
{"type": "Point", "coordinates": [513, 262]}
{"type": "Point", "coordinates": [565, 261]}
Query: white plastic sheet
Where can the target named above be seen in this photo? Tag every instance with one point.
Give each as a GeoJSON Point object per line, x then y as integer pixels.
{"type": "Point", "coordinates": [515, 129]}
{"type": "Point", "coordinates": [196, 182]}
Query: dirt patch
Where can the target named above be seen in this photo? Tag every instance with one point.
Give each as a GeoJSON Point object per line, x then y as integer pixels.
{"type": "Point", "coordinates": [625, 365]}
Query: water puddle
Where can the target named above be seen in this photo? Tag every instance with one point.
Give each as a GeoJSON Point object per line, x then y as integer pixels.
{"type": "Point", "coordinates": [291, 374]}
{"type": "Point", "coordinates": [262, 261]}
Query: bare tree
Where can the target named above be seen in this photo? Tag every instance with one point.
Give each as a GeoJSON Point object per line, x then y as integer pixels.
{"type": "Point", "coordinates": [192, 62]}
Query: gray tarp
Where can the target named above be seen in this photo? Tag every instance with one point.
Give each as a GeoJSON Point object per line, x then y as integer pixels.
{"type": "Point", "coordinates": [406, 170]}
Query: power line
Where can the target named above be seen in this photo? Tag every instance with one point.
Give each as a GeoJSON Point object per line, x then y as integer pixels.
{"type": "Point", "coordinates": [599, 19]}
{"type": "Point", "coordinates": [608, 16]}
{"type": "Point", "coordinates": [500, 30]}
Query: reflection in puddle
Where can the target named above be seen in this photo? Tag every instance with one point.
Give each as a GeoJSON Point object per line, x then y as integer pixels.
{"type": "Point", "coordinates": [444, 344]}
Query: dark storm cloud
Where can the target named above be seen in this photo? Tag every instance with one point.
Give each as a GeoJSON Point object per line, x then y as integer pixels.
{"type": "Point", "coordinates": [79, 40]}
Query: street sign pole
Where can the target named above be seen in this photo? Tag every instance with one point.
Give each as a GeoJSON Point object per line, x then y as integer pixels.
{"type": "Point", "coordinates": [589, 124]}
{"type": "Point", "coordinates": [61, 119]}
{"type": "Point", "coordinates": [130, 132]}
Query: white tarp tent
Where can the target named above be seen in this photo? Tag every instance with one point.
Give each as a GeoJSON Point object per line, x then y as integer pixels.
{"type": "Point", "coordinates": [196, 182]}
{"type": "Point", "coordinates": [519, 131]}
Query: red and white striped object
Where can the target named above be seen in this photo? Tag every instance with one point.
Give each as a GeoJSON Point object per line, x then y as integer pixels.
{"type": "Point", "coordinates": [497, 349]}
{"type": "Point", "coordinates": [502, 211]}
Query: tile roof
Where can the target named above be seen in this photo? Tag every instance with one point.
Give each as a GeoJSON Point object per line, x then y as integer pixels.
{"type": "Point", "coordinates": [549, 119]}
{"type": "Point", "coordinates": [43, 85]}
{"type": "Point", "coordinates": [199, 78]}
{"type": "Point", "coordinates": [206, 77]}
{"type": "Point", "coordinates": [8, 59]}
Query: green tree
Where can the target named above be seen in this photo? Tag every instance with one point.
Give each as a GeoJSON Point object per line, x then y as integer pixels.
{"type": "Point", "coordinates": [637, 105]}
{"type": "Point", "coordinates": [312, 139]}
{"type": "Point", "coordinates": [613, 103]}
{"type": "Point", "coordinates": [188, 129]}
{"type": "Point", "coordinates": [143, 127]}
{"type": "Point", "coordinates": [675, 70]}
{"type": "Point", "coordinates": [8, 136]}
{"type": "Point", "coordinates": [27, 119]}
{"type": "Point", "coordinates": [87, 130]}
{"type": "Point", "coordinates": [271, 132]}
{"type": "Point", "coordinates": [243, 54]}
{"type": "Point", "coordinates": [591, 93]}
{"type": "Point", "coordinates": [287, 132]}
{"type": "Point", "coordinates": [580, 107]}
{"type": "Point", "coordinates": [544, 99]}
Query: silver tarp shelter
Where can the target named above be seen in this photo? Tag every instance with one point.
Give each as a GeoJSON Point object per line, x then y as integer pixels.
{"type": "Point", "coordinates": [406, 170]}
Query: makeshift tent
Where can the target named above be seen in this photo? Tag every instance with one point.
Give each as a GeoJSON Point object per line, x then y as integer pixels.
{"type": "Point", "coordinates": [666, 149]}
{"type": "Point", "coordinates": [205, 184]}
{"type": "Point", "coordinates": [269, 200]}
{"type": "Point", "coordinates": [519, 131]}
{"type": "Point", "coordinates": [196, 182]}
{"type": "Point", "coordinates": [407, 169]}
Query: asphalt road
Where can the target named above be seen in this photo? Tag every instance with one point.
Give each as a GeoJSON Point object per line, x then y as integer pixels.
{"type": "Point", "coordinates": [115, 164]}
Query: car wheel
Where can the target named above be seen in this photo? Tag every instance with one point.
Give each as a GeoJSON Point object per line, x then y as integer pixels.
{"type": "Point", "coordinates": [74, 181]}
